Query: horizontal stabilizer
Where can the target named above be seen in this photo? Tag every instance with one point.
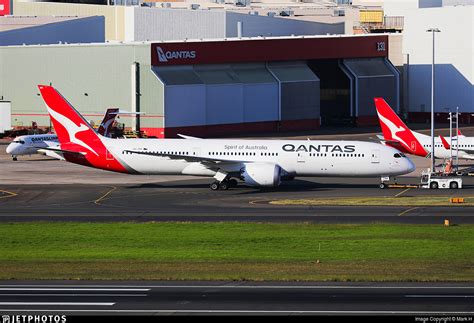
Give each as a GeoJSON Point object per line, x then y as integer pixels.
{"type": "Point", "coordinates": [188, 137]}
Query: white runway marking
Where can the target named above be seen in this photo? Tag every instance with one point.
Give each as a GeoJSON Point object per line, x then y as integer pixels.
{"type": "Point", "coordinates": [248, 312]}
{"type": "Point", "coordinates": [76, 295]}
{"type": "Point", "coordinates": [56, 304]}
{"type": "Point", "coordinates": [76, 289]}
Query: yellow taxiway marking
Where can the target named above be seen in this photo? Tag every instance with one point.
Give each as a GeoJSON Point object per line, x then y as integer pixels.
{"type": "Point", "coordinates": [259, 201]}
{"type": "Point", "coordinates": [10, 194]}
{"type": "Point", "coordinates": [105, 195]}
{"type": "Point", "coordinates": [399, 194]}
{"type": "Point", "coordinates": [409, 210]}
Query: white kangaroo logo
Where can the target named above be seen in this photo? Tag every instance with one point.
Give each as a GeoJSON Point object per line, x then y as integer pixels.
{"type": "Point", "coordinates": [72, 129]}
{"type": "Point", "coordinates": [394, 129]}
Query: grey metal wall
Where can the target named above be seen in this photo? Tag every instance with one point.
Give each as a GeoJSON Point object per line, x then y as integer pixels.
{"type": "Point", "coordinates": [260, 92]}
{"type": "Point", "coordinates": [254, 25]}
{"type": "Point", "coordinates": [80, 30]}
{"type": "Point", "coordinates": [299, 90]}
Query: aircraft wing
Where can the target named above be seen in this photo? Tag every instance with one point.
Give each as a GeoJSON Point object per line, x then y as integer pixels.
{"type": "Point", "coordinates": [211, 161]}
{"type": "Point", "coordinates": [59, 150]}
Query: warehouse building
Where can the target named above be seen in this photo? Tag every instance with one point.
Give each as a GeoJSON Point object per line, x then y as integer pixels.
{"type": "Point", "coordinates": [208, 88]}
{"type": "Point", "coordinates": [34, 30]}
{"type": "Point", "coordinates": [136, 23]}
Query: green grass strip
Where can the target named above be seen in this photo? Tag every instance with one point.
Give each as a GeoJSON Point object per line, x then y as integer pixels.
{"type": "Point", "coordinates": [236, 251]}
{"type": "Point", "coordinates": [378, 201]}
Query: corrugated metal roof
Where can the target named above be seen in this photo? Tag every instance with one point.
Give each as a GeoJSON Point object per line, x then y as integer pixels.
{"type": "Point", "coordinates": [253, 73]}
{"type": "Point", "coordinates": [369, 67]}
{"type": "Point", "coordinates": [291, 72]}
{"type": "Point", "coordinates": [177, 76]}
{"type": "Point", "coordinates": [216, 74]}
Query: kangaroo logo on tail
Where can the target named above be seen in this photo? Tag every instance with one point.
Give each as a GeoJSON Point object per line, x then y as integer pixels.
{"type": "Point", "coordinates": [79, 141]}
{"type": "Point", "coordinates": [394, 130]}
{"type": "Point", "coordinates": [72, 129]}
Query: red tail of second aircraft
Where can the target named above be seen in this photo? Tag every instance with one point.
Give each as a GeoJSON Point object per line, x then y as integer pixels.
{"type": "Point", "coordinates": [80, 144]}
{"type": "Point", "coordinates": [395, 131]}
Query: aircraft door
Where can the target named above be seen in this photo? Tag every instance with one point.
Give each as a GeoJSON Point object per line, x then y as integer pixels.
{"type": "Point", "coordinates": [196, 151]}
{"type": "Point", "coordinates": [375, 156]}
{"type": "Point", "coordinates": [413, 146]}
{"type": "Point", "coordinates": [301, 157]}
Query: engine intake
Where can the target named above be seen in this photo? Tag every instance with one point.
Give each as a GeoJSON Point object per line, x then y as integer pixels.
{"type": "Point", "coordinates": [261, 174]}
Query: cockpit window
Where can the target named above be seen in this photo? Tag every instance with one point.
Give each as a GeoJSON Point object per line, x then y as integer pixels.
{"type": "Point", "coordinates": [19, 141]}
{"type": "Point", "coordinates": [399, 155]}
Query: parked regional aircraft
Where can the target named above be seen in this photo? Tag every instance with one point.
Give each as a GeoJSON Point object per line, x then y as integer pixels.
{"type": "Point", "coordinates": [256, 162]}
{"type": "Point", "coordinates": [33, 144]}
{"type": "Point", "coordinates": [398, 135]}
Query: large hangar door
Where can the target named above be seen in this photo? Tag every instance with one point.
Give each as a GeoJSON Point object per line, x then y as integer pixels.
{"type": "Point", "coordinates": [260, 91]}
{"type": "Point", "coordinates": [224, 94]}
{"type": "Point", "coordinates": [299, 90]}
{"type": "Point", "coordinates": [374, 77]}
{"type": "Point", "coordinates": [184, 96]}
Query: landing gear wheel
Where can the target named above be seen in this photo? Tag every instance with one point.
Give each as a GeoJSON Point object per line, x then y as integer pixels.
{"type": "Point", "coordinates": [224, 185]}
{"type": "Point", "coordinates": [233, 182]}
{"type": "Point", "coordinates": [14, 158]}
{"type": "Point", "coordinates": [434, 185]}
{"type": "Point", "coordinates": [382, 185]}
{"type": "Point", "coordinates": [214, 186]}
{"type": "Point", "coordinates": [453, 185]}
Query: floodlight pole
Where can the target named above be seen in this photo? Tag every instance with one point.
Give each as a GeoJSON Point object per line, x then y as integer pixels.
{"type": "Point", "coordinates": [432, 30]}
{"type": "Point", "coordinates": [451, 136]}
{"type": "Point", "coordinates": [457, 137]}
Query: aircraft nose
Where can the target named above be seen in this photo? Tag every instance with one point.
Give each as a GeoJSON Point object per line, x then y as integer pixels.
{"type": "Point", "coordinates": [10, 149]}
{"type": "Point", "coordinates": [410, 165]}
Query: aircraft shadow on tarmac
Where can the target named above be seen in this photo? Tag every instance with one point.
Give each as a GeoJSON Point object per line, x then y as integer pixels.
{"type": "Point", "coordinates": [297, 185]}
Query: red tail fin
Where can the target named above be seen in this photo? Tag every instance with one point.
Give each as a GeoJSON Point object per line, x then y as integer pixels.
{"type": "Point", "coordinates": [445, 143]}
{"type": "Point", "coordinates": [395, 130]}
{"type": "Point", "coordinates": [75, 134]}
{"type": "Point", "coordinates": [459, 133]}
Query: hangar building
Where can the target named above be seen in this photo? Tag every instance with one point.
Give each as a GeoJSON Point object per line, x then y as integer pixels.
{"type": "Point", "coordinates": [208, 88]}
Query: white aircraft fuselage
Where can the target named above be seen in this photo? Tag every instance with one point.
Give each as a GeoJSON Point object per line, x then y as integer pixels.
{"type": "Point", "coordinates": [295, 157]}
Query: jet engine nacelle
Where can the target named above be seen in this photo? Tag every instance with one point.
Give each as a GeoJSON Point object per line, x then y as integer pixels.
{"type": "Point", "coordinates": [261, 174]}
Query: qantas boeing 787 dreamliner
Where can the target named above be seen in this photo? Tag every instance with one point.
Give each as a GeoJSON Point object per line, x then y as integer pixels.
{"type": "Point", "coordinates": [256, 162]}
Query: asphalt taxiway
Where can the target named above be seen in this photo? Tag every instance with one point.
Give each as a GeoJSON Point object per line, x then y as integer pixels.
{"type": "Point", "coordinates": [165, 298]}
{"type": "Point", "coordinates": [192, 200]}
{"type": "Point", "coordinates": [39, 188]}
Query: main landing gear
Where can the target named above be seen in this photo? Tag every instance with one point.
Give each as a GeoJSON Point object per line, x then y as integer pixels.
{"type": "Point", "coordinates": [14, 158]}
{"type": "Point", "coordinates": [224, 185]}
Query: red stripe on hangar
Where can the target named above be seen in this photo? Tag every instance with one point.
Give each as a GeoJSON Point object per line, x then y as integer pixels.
{"type": "Point", "coordinates": [266, 50]}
